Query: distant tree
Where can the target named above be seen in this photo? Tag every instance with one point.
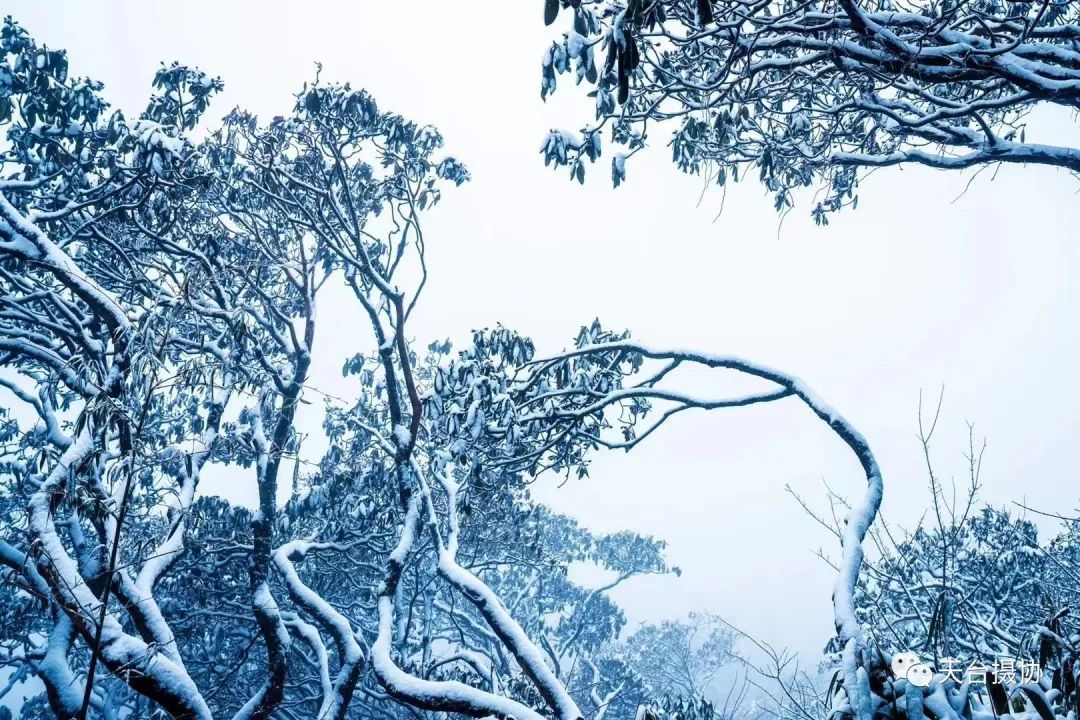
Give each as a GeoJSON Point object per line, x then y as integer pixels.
{"type": "Point", "coordinates": [680, 657]}
{"type": "Point", "coordinates": [800, 93]}
{"type": "Point", "coordinates": [159, 306]}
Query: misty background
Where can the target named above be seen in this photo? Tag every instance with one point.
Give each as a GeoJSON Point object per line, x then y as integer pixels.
{"type": "Point", "coordinates": [961, 281]}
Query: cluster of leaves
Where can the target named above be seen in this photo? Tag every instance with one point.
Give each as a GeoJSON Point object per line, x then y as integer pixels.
{"type": "Point", "coordinates": [679, 708]}
{"type": "Point", "coordinates": [810, 92]}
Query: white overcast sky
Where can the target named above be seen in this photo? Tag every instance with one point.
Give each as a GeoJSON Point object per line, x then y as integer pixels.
{"type": "Point", "coordinates": [914, 290]}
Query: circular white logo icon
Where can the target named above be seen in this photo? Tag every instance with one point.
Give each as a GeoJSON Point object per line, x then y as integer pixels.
{"type": "Point", "coordinates": [908, 666]}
